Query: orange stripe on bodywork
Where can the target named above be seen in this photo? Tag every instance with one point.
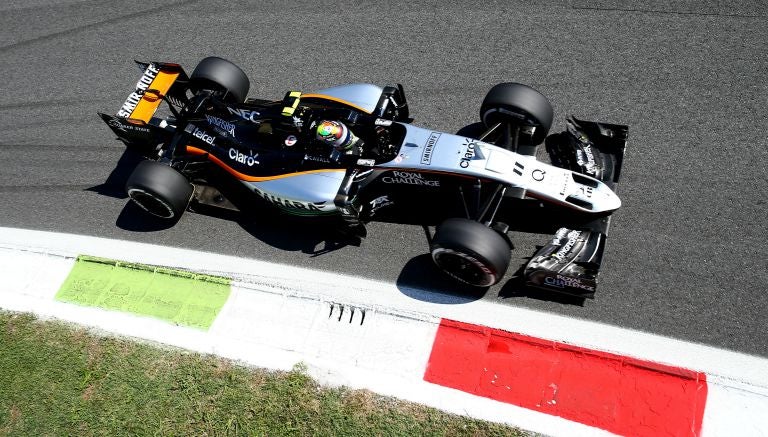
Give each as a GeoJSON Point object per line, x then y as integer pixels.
{"type": "Point", "coordinates": [244, 177]}
{"type": "Point", "coordinates": [334, 99]}
{"type": "Point", "coordinates": [148, 104]}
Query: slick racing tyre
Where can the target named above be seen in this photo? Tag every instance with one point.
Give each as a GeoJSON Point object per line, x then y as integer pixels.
{"type": "Point", "coordinates": [470, 252]}
{"type": "Point", "coordinates": [159, 189]}
{"type": "Point", "coordinates": [219, 74]}
{"type": "Point", "coordinates": [519, 104]}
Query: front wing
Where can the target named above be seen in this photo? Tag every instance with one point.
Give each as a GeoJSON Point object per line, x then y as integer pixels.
{"type": "Point", "coordinates": [571, 261]}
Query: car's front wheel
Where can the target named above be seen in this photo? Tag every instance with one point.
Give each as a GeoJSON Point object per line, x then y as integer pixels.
{"type": "Point", "coordinates": [518, 105]}
{"type": "Point", "coordinates": [470, 252]}
{"type": "Point", "coordinates": [159, 189]}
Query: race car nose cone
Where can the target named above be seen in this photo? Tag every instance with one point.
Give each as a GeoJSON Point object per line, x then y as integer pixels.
{"type": "Point", "coordinates": [615, 202]}
{"type": "Point", "coordinates": [590, 194]}
{"type": "Point", "coordinates": [607, 201]}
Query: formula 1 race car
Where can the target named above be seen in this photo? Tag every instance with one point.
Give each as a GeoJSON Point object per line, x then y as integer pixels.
{"type": "Point", "coordinates": [271, 148]}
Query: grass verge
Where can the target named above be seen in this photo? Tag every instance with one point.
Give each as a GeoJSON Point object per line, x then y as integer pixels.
{"type": "Point", "coordinates": [56, 379]}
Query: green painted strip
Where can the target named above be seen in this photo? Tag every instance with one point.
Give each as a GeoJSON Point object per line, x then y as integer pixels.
{"type": "Point", "coordinates": [181, 297]}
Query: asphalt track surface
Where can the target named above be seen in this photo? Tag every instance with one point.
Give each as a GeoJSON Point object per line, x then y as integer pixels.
{"type": "Point", "coordinates": [687, 254]}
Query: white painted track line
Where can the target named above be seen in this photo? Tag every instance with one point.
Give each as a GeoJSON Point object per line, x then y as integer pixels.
{"type": "Point", "coordinates": [368, 293]}
{"type": "Point", "coordinates": [387, 353]}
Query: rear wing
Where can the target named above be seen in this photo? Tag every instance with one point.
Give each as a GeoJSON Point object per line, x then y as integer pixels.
{"type": "Point", "coordinates": [159, 82]}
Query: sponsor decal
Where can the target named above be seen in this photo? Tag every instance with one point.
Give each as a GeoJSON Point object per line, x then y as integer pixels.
{"type": "Point", "coordinates": [141, 86]}
{"type": "Point", "coordinates": [470, 150]}
{"type": "Point", "coordinates": [245, 114]}
{"type": "Point", "coordinates": [366, 162]}
{"type": "Point", "coordinates": [378, 203]}
{"type": "Point", "coordinates": [117, 124]}
{"type": "Point", "coordinates": [201, 134]}
{"type": "Point", "coordinates": [573, 238]}
{"type": "Point", "coordinates": [382, 122]}
{"type": "Point", "coordinates": [129, 105]}
{"type": "Point", "coordinates": [561, 281]}
{"type": "Point", "coordinates": [297, 121]}
{"type": "Point", "coordinates": [538, 174]}
{"type": "Point", "coordinates": [293, 204]}
{"type": "Point", "coordinates": [426, 156]}
{"type": "Point", "coordinates": [559, 235]}
{"type": "Point", "coordinates": [565, 185]}
{"type": "Point", "coordinates": [221, 124]}
{"type": "Point", "coordinates": [249, 160]}
{"type": "Point", "coordinates": [316, 158]}
{"type": "Point", "coordinates": [146, 79]}
{"type": "Point", "coordinates": [585, 158]}
{"type": "Point", "coordinates": [290, 140]}
{"type": "Point", "coordinates": [401, 177]}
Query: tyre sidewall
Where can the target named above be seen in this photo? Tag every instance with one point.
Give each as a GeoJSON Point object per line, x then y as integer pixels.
{"type": "Point", "coordinates": [519, 99]}
{"type": "Point", "coordinates": [475, 243]}
{"type": "Point", "coordinates": [218, 73]}
{"type": "Point", "coordinates": [154, 187]}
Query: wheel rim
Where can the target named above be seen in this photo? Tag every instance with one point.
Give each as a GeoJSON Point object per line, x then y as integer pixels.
{"type": "Point", "coordinates": [463, 267]}
{"type": "Point", "coordinates": [151, 203]}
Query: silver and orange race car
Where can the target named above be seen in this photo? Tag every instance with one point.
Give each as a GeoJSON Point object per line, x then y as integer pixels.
{"type": "Point", "coordinates": [474, 185]}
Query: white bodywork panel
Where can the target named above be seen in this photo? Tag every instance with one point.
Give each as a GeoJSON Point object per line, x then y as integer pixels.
{"type": "Point", "coordinates": [428, 151]}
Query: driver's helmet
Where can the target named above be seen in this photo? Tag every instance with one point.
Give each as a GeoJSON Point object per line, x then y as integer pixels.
{"type": "Point", "coordinates": [335, 134]}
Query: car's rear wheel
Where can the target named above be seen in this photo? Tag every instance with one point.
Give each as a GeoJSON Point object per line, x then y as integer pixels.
{"type": "Point", "coordinates": [470, 252]}
{"type": "Point", "coordinates": [159, 189]}
{"type": "Point", "coordinates": [217, 74]}
{"type": "Point", "coordinates": [520, 105]}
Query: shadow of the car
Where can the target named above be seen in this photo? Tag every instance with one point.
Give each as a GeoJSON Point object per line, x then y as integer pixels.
{"type": "Point", "coordinates": [114, 186]}
{"type": "Point", "coordinates": [420, 279]}
{"type": "Point", "coordinates": [133, 218]}
{"type": "Point", "coordinates": [311, 237]}
{"type": "Point", "coordinates": [515, 288]}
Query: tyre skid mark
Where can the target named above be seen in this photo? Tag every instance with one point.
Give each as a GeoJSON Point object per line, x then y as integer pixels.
{"type": "Point", "coordinates": [95, 25]}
